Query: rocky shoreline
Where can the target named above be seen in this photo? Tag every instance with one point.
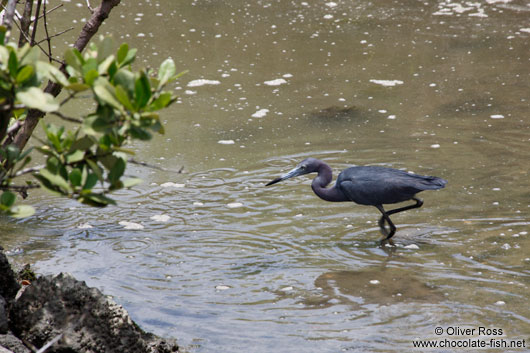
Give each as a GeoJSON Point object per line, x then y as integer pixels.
{"type": "Point", "coordinates": [66, 315]}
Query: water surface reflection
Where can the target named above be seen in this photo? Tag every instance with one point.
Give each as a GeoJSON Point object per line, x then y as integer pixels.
{"type": "Point", "coordinates": [222, 263]}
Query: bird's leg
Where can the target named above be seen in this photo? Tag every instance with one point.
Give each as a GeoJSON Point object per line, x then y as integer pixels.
{"type": "Point", "coordinates": [381, 222]}
{"type": "Point", "coordinates": [385, 217]}
{"type": "Point", "coordinates": [418, 203]}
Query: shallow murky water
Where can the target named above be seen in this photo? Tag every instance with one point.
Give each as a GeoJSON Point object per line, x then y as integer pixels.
{"type": "Point", "coordinates": [222, 263]}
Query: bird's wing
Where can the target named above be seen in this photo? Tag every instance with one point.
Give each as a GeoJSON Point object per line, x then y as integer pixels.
{"type": "Point", "coordinates": [376, 192]}
{"type": "Point", "coordinates": [358, 191]}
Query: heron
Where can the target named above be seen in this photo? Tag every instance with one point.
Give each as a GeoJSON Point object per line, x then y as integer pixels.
{"type": "Point", "coordinates": [367, 185]}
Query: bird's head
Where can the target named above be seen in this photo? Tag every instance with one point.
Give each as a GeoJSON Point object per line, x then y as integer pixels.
{"type": "Point", "coordinates": [309, 165]}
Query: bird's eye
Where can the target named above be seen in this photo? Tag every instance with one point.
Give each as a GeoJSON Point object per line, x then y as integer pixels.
{"type": "Point", "coordinates": [303, 167]}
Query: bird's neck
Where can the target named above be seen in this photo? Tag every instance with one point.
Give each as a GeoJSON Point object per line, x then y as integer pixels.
{"type": "Point", "coordinates": [321, 181]}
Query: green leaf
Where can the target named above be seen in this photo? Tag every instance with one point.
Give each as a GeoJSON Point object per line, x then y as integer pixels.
{"type": "Point", "coordinates": [142, 90]}
{"type": "Point", "coordinates": [161, 102]}
{"type": "Point", "coordinates": [12, 153]}
{"type": "Point", "coordinates": [96, 199]}
{"type": "Point", "coordinates": [91, 181]}
{"type": "Point", "coordinates": [77, 87]}
{"type": "Point", "coordinates": [124, 78]}
{"type": "Point", "coordinates": [105, 49]}
{"type": "Point", "coordinates": [96, 169]}
{"type": "Point", "coordinates": [52, 73]}
{"type": "Point", "coordinates": [140, 133]}
{"type": "Point", "coordinates": [90, 76]}
{"type": "Point", "coordinates": [31, 56]}
{"type": "Point", "coordinates": [24, 74]}
{"type": "Point", "coordinates": [158, 127]}
{"type": "Point", "coordinates": [123, 97]}
{"type": "Point", "coordinates": [117, 171]}
{"type": "Point", "coordinates": [74, 59]}
{"type": "Point", "coordinates": [35, 98]}
{"type": "Point", "coordinates": [104, 66]}
{"type": "Point", "coordinates": [7, 199]}
{"type": "Point", "coordinates": [105, 92]}
{"type": "Point", "coordinates": [75, 177]}
{"type": "Point", "coordinates": [130, 182]}
{"type": "Point", "coordinates": [90, 64]}
{"type": "Point", "coordinates": [54, 135]}
{"type": "Point", "coordinates": [166, 72]}
{"type": "Point", "coordinates": [76, 156]}
{"type": "Point", "coordinates": [3, 31]}
{"type": "Point", "coordinates": [22, 211]}
{"type": "Point", "coordinates": [12, 64]}
{"type": "Point", "coordinates": [122, 52]}
{"type": "Point", "coordinates": [84, 143]}
{"type": "Point", "coordinates": [55, 180]}
{"type": "Point", "coordinates": [129, 58]}
{"type": "Point", "coordinates": [4, 54]}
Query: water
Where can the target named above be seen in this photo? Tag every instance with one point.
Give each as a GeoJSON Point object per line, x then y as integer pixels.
{"type": "Point", "coordinates": [223, 264]}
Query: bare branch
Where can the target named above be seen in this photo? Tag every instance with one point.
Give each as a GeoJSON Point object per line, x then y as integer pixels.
{"type": "Point", "coordinates": [25, 21]}
{"type": "Point", "coordinates": [34, 33]}
{"type": "Point", "coordinates": [9, 16]}
{"type": "Point", "coordinates": [21, 189]}
{"type": "Point", "coordinates": [14, 128]}
{"type": "Point", "coordinates": [99, 15]}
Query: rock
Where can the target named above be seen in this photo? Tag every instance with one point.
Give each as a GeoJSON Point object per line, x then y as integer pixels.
{"type": "Point", "coordinates": [8, 280]}
{"type": "Point", "coordinates": [89, 321]}
{"type": "Point", "coordinates": [12, 344]}
{"type": "Point", "coordinates": [3, 316]}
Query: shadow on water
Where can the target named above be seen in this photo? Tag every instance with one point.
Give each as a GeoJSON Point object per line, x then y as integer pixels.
{"type": "Point", "coordinates": [375, 285]}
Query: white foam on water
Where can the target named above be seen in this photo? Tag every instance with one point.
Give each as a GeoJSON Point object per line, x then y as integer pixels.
{"type": "Point", "coordinates": [260, 113]}
{"type": "Point", "coordinates": [203, 82]}
{"type": "Point", "coordinates": [131, 225]}
{"type": "Point", "coordinates": [234, 205]}
{"type": "Point", "coordinates": [276, 82]}
{"type": "Point", "coordinates": [171, 184]}
{"type": "Point", "coordinates": [160, 218]}
{"type": "Point", "coordinates": [387, 83]}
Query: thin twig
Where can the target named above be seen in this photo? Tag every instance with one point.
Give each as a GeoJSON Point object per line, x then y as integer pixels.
{"type": "Point", "coordinates": [29, 170]}
{"type": "Point", "coordinates": [19, 188]}
{"type": "Point", "coordinates": [50, 11]}
{"type": "Point", "coordinates": [67, 118]}
{"type": "Point", "coordinates": [144, 164]}
{"type": "Point", "coordinates": [89, 7]}
{"type": "Point", "coordinates": [47, 34]}
{"type": "Point", "coordinates": [56, 35]}
{"type": "Point", "coordinates": [70, 96]}
{"type": "Point", "coordinates": [34, 33]}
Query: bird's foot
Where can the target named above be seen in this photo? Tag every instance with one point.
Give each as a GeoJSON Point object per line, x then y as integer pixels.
{"type": "Point", "coordinates": [386, 242]}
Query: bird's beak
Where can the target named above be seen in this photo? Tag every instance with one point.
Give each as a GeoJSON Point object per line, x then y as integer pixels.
{"type": "Point", "coordinates": [295, 172]}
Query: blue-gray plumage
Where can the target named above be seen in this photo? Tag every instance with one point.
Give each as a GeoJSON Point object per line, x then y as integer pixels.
{"type": "Point", "coordinates": [369, 185]}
